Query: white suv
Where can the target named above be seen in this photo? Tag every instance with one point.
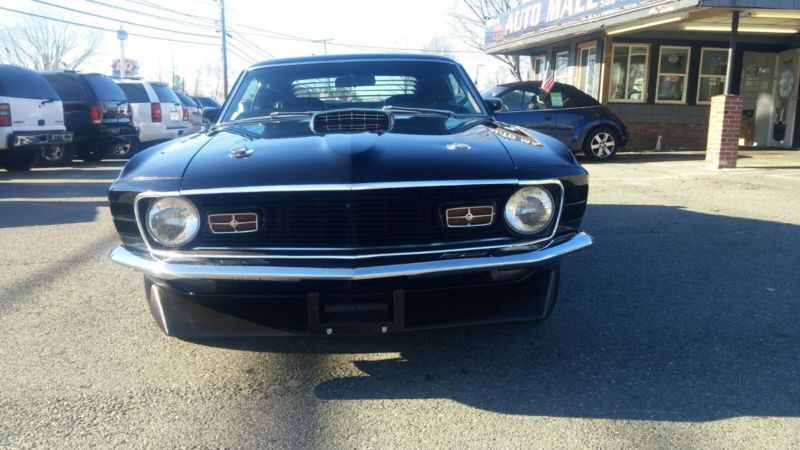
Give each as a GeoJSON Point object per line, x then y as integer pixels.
{"type": "Point", "coordinates": [31, 117]}
{"type": "Point", "coordinates": [155, 109]}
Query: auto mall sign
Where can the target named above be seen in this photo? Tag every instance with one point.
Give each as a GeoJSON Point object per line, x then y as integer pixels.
{"type": "Point", "coordinates": [540, 14]}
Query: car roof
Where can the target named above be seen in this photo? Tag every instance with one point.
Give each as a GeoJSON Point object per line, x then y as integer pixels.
{"type": "Point", "coordinates": [353, 57]}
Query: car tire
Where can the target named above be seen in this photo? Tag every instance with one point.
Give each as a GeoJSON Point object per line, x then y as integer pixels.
{"type": "Point", "coordinates": [21, 163]}
{"type": "Point", "coordinates": [57, 155]}
{"type": "Point", "coordinates": [601, 144]}
{"type": "Point", "coordinates": [120, 150]}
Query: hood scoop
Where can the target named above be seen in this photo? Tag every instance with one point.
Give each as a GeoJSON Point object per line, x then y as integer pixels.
{"type": "Point", "coordinates": [351, 121]}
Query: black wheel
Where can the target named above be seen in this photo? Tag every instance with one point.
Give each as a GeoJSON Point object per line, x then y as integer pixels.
{"type": "Point", "coordinates": [601, 144]}
{"type": "Point", "coordinates": [21, 162]}
{"type": "Point", "coordinates": [58, 155]}
{"type": "Point", "coordinates": [120, 150]}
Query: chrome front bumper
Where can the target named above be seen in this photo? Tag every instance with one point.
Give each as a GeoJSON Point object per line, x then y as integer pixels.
{"type": "Point", "coordinates": [172, 270]}
{"type": "Point", "coordinates": [44, 138]}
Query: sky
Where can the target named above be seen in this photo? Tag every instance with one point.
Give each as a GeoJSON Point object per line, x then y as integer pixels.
{"type": "Point", "coordinates": [258, 30]}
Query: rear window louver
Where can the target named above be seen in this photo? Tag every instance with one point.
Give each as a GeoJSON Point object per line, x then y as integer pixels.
{"type": "Point", "coordinates": [351, 121]}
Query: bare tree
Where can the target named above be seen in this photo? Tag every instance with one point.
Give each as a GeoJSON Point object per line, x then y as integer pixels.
{"type": "Point", "coordinates": [470, 25]}
{"type": "Point", "coordinates": [439, 45]}
{"type": "Point", "coordinates": [41, 45]}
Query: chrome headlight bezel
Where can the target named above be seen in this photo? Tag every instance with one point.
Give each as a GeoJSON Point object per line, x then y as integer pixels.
{"type": "Point", "coordinates": [190, 215]}
{"type": "Point", "coordinates": [514, 204]}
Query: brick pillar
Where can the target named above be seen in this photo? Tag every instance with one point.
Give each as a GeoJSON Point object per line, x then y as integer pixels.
{"type": "Point", "coordinates": [724, 123]}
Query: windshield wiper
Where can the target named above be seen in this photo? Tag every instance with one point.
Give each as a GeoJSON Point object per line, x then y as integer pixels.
{"type": "Point", "coordinates": [272, 117]}
{"type": "Point", "coordinates": [419, 111]}
{"type": "Point", "coordinates": [48, 100]}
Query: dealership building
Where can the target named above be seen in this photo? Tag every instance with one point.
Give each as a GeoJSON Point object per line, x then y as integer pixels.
{"type": "Point", "coordinates": [659, 63]}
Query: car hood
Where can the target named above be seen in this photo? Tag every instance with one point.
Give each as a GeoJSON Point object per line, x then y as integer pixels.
{"type": "Point", "coordinates": [477, 152]}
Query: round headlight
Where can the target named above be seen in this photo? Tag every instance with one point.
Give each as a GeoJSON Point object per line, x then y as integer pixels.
{"type": "Point", "coordinates": [529, 210]}
{"type": "Point", "coordinates": [173, 221]}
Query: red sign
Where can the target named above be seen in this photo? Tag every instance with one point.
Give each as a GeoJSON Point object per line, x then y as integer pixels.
{"type": "Point", "coordinates": [131, 66]}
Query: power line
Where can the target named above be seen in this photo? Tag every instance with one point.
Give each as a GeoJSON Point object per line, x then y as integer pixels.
{"type": "Point", "coordinates": [124, 21]}
{"type": "Point", "coordinates": [146, 14]}
{"type": "Point", "coordinates": [161, 8]}
{"type": "Point", "coordinates": [250, 45]}
{"type": "Point", "coordinates": [145, 36]}
{"type": "Point", "coordinates": [291, 37]}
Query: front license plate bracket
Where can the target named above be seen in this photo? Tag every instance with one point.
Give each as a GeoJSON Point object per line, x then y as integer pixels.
{"type": "Point", "coordinates": [368, 314]}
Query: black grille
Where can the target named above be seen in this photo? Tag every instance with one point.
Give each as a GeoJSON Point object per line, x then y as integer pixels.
{"type": "Point", "coordinates": [350, 219]}
{"type": "Point", "coordinates": [351, 120]}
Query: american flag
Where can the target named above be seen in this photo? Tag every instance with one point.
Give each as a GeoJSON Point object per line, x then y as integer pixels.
{"type": "Point", "coordinates": [549, 80]}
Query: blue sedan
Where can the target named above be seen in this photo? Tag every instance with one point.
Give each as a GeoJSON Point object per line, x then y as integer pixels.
{"type": "Point", "coordinates": [565, 113]}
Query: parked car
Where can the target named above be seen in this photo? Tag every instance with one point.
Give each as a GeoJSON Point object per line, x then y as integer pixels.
{"type": "Point", "coordinates": [206, 102]}
{"type": "Point", "coordinates": [566, 113]}
{"type": "Point", "coordinates": [194, 113]}
{"type": "Point", "coordinates": [355, 194]}
{"type": "Point", "coordinates": [156, 111]}
{"type": "Point", "coordinates": [96, 111]}
{"type": "Point", "coordinates": [31, 118]}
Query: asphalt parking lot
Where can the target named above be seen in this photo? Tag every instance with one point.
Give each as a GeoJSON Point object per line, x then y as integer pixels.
{"type": "Point", "coordinates": [680, 327]}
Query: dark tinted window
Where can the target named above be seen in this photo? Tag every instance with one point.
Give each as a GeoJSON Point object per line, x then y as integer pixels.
{"type": "Point", "coordinates": [579, 98]}
{"type": "Point", "coordinates": [69, 87]}
{"type": "Point", "coordinates": [104, 88]}
{"type": "Point", "coordinates": [134, 92]}
{"type": "Point", "coordinates": [186, 100]}
{"type": "Point", "coordinates": [23, 83]}
{"type": "Point", "coordinates": [165, 94]}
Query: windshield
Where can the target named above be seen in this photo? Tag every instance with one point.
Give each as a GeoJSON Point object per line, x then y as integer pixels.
{"type": "Point", "coordinates": [369, 84]}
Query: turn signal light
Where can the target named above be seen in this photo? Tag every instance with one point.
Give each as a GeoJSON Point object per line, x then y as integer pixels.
{"type": "Point", "coordinates": [95, 114]}
{"type": "Point", "coordinates": [5, 115]}
{"type": "Point", "coordinates": [155, 111]}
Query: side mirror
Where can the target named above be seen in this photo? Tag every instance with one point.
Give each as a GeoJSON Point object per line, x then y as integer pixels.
{"type": "Point", "coordinates": [210, 113]}
{"type": "Point", "coordinates": [494, 104]}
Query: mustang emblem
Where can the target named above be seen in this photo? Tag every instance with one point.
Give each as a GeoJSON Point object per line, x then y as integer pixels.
{"type": "Point", "coordinates": [241, 152]}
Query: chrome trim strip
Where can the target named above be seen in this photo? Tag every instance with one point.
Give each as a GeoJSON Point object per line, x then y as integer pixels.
{"type": "Point", "coordinates": [167, 270]}
{"type": "Point", "coordinates": [353, 187]}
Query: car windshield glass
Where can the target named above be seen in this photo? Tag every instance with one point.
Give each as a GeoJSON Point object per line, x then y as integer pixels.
{"type": "Point", "coordinates": [315, 87]}
{"type": "Point", "coordinates": [104, 88]}
{"type": "Point", "coordinates": [23, 83]}
{"type": "Point", "coordinates": [165, 94]}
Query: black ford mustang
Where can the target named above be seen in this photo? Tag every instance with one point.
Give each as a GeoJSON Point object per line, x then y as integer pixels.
{"type": "Point", "coordinates": [350, 194]}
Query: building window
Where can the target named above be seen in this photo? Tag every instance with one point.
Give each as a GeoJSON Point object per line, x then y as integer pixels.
{"type": "Point", "coordinates": [587, 69]}
{"type": "Point", "coordinates": [539, 67]}
{"type": "Point", "coordinates": [629, 73]}
{"type": "Point", "coordinates": [562, 67]}
{"type": "Point", "coordinates": [713, 68]}
{"type": "Point", "coordinates": [673, 73]}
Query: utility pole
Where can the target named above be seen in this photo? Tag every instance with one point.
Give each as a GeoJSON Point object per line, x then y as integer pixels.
{"type": "Point", "coordinates": [325, 44]}
{"type": "Point", "coordinates": [224, 48]}
{"type": "Point", "coordinates": [122, 35]}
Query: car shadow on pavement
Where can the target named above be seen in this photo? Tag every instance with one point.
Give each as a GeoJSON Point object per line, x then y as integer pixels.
{"type": "Point", "coordinates": [54, 196]}
{"type": "Point", "coordinates": [671, 315]}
